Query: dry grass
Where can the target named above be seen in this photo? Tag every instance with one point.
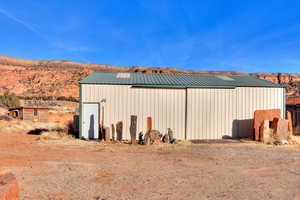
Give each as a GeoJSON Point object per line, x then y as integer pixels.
{"type": "Point", "coordinates": [295, 140]}
{"type": "Point", "coordinates": [54, 135]}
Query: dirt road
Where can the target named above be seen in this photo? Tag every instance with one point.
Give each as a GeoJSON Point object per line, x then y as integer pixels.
{"type": "Point", "coordinates": [88, 170]}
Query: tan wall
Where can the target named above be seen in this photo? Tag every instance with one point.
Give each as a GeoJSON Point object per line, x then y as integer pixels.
{"type": "Point", "coordinates": [165, 106]}
{"type": "Point", "coordinates": [211, 113]}
{"type": "Point", "coordinates": [219, 113]}
{"type": "Point", "coordinates": [250, 99]}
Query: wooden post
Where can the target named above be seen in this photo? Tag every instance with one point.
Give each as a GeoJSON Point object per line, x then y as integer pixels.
{"type": "Point", "coordinates": [133, 129]}
{"type": "Point", "coordinates": [107, 134]}
{"type": "Point", "coordinates": [119, 128]}
{"type": "Point", "coordinates": [101, 137]}
{"type": "Point", "coordinates": [289, 118]}
{"type": "Point", "coordinates": [113, 132]}
{"type": "Point", "coordinates": [149, 123]}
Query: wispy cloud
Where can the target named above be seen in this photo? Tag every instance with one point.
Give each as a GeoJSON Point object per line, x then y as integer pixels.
{"type": "Point", "coordinates": [25, 24]}
{"type": "Point", "coordinates": [68, 46]}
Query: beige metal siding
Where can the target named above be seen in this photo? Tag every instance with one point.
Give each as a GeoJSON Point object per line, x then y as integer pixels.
{"type": "Point", "coordinates": [210, 113]}
{"type": "Point", "coordinates": [250, 99]}
{"type": "Point", "coordinates": [165, 106]}
{"type": "Point", "coordinates": [217, 113]}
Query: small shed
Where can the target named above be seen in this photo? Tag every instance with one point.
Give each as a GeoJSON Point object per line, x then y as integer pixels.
{"type": "Point", "coordinates": [30, 113]}
{"type": "Point", "coordinates": [194, 106]}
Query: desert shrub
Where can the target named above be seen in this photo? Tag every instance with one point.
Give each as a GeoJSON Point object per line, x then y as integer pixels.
{"type": "Point", "coordinates": [5, 117]}
{"type": "Point", "coordinates": [50, 98]}
{"type": "Point", "coordinates": [9, 100]}
{"type": "Point", "coordinates": [62, 98]}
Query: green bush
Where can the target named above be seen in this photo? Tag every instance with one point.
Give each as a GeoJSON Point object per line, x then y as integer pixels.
{"type": "Point", "coordinates": [9, 100]}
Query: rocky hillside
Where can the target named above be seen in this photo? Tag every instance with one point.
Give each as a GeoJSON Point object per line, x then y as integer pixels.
{"type": "Point", "coordinates": [60, 78]}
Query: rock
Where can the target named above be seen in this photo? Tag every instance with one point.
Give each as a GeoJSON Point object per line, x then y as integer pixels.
{"type": "Point", "coordinates": [171, 136]}
{"type": "Point", "coordinates": [9, 189]}
{"type": "Point", "coordinates": [141, 140]}
{"type": "Point", "coordinates": [166, 138]}
{"type": "Point", "coordinates": [281, 129]}
{"type": "Point", "coordinates": [260, 116]}
{"type": "Point", "coordinates": [152, 137]}
{"type": "Point", "coordinates": [266, 132]}
{"type": "Point", "coordinates": [284, 142]}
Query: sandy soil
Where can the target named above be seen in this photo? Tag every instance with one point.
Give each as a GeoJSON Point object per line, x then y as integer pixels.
{"type": "Point", "coordinates": [73, 169]}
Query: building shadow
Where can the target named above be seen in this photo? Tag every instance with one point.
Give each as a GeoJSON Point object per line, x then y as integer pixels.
{"type": "Point", "coordinates": [37, 131]}
{"type": "Point", "coordinates": [242, 128]}
{"type": "Point", "coordinates": [92, 127]}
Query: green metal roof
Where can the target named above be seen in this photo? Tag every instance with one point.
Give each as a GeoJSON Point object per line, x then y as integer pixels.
{"type": "Point", "coordinates": [176, 80]}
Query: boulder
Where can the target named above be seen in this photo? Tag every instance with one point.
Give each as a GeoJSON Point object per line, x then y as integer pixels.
{"type": "Point", "coordinates": [9, 189]}
{"type": "Point", "coordinates": [266, 132]}
{"type": "Point", "coordinates": [171, 136]}
{"type": "Point", "coordinates": [281, 131]}
{"type": "Point", "coordinates": [152, 137]}
{"type": "Point", "coordinates": [259, 117]}
{"type": "Point", "coordinates": [166, 138]}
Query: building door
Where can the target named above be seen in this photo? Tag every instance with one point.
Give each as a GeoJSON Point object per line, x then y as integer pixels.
{"type": "Point", "coordinates": [90, 121]}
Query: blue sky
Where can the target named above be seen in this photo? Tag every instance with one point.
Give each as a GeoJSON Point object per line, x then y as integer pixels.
{"type": "Point", "coordinates": [246, 36]}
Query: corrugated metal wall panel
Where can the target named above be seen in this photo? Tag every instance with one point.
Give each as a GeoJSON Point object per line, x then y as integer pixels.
{"type": "Point", "coordinates": [215, 113]}
{"type": "Point", "coordinates": [251, 99]}
{"type": "Point", "coordinates": [165, 106]}
{"type": "Point", "coordinates": [210, 113]}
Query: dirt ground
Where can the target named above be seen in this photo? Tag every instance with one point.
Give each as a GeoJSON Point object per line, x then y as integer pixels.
{"type": "Point", "coordinates": [75, 169]}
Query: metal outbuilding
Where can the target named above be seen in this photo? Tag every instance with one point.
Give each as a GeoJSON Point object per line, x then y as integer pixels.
{"type": "Point", "coordinates": [194, 106]}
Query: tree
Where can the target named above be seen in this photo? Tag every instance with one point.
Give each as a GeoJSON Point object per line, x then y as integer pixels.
{"type": "Point", "coordinates": [9, 100]}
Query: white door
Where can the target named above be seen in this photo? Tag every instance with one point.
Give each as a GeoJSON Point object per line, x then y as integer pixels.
{"type": "Point", "coordinates": [90, 121]}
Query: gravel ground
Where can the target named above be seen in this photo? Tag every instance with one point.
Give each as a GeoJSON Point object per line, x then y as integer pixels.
{"type": "Point", "coordinates": [74, 169]}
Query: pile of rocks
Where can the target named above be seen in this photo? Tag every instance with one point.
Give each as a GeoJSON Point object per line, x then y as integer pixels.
{"type": "Point", "coordinates": [155, 137]}
{"type": "Point", "coordinates": [269, 128]}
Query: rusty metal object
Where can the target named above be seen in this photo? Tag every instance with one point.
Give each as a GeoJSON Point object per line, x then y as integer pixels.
{"type": "Point", "coordinates": [149, 123]}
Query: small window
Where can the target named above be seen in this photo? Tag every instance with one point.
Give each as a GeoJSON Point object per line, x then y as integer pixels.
{"type": "Point", "coordinates": [123, 75]}
{"type": "Point", "coordinates": [225, 78]}
{"type": "Point", "coordinates": [35, 112]}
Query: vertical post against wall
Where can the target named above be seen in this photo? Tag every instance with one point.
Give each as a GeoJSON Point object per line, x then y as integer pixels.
{"type": "Point", "coordinates": [284, 103]}
{"type": "Point", "coordinates": [185, 117]}
{"type": "Point", "coordinates": [133, 121]}
{"type": "Point", "coordinates": [149, 123]}
{"type": "Point", "coordinates": [101, 132]}
{"type": "Point", "coordinates": [113, 132]}
{"type": "Point", "coordinates": [119, 129]}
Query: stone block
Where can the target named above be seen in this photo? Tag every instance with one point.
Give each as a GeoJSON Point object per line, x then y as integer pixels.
{"type": "Point", "coordinates": [259, 117]}
{"type": "Point", "coordinates": [289, 118]}
{"type": "Point", "coordinates": [107, 134]}
{"type": "Point", "coordinates": [282, 130]}
{"type": "Point", "coordinates": [266, 132]}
